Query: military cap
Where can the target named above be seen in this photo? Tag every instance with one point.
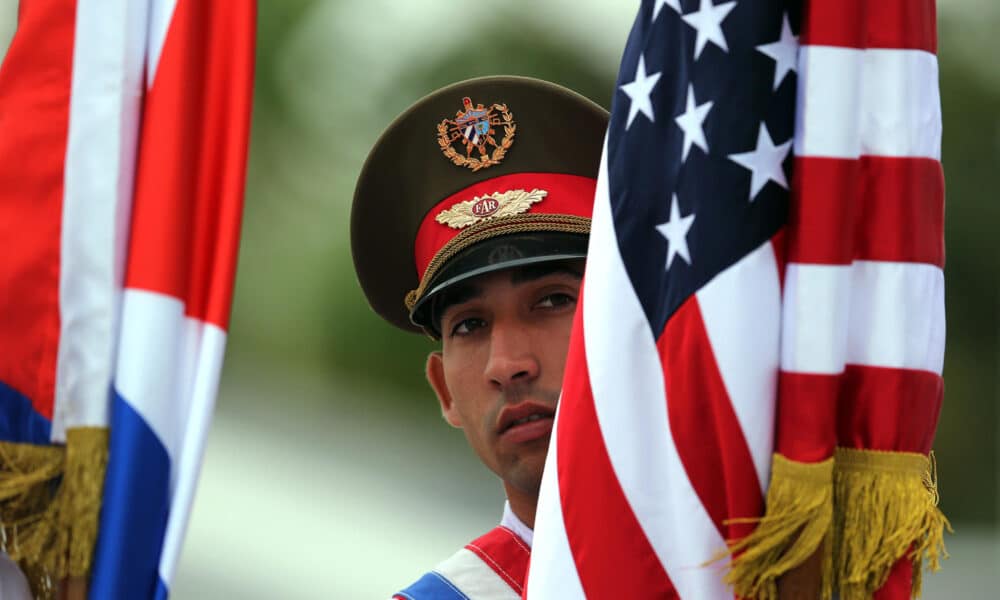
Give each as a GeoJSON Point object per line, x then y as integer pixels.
{"type": "Point", "coordinates": [485, 174]}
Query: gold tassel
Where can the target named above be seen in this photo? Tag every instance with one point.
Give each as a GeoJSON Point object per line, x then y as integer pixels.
{"type": "Point", "coordinates": [799, 518]}
{"type": "Point", "coordinates": [886, 509]}
{"type": "Point", "coordinates": [50, 500]}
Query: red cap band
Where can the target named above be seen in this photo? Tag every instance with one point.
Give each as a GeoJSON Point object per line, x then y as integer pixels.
{"type": "Point", "coordinates": [566, 195]}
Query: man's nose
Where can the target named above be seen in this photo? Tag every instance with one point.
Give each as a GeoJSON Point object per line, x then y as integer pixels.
{"type": "Point", "coordinates": [512, 360]}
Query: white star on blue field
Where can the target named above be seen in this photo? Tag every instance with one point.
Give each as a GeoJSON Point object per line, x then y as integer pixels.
{"type": "Point", "coordinates": [700, 141]}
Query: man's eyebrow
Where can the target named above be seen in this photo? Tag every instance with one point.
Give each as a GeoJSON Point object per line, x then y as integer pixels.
{"type": "Point", "coordinates": [535, 272]}
{"type": "Point", "coordinates": [463, 292]}
{"type": "Point", "coordinates": [456, 295]}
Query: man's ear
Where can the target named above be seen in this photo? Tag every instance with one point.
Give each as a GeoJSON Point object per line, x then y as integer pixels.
{"type": "Point", "coordinates": [435, 377]}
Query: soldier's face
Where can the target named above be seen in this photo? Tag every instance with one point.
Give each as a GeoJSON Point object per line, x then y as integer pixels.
{"type": "Point", "coordinates": [498, 376]}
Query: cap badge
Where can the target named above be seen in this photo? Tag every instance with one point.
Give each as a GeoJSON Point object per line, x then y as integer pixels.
{"type": "Point", "coordinates": [504, 253]}
{"type": "Point", "coordinates": [491, 206]}
{"type": "Point", "coordinates": [473, 130]}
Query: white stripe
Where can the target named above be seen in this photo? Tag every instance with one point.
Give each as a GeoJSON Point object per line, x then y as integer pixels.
{"type": "Point", "coordinates": [623, 364]}
{"type": "Point", "coordinates": [553, 570]}
{"type": "Point", "coordinates": [814, 318]}
{"type": "Point", "coordinates": [108, 49]}
{"type": "Point", "coordinates": [168, 371]}
{"type": "Point", "coordinates": [897, 315]}
{"type": "Point", "coordinates": [872, 102]}
{"type": "Point", "coordinates": [206, 345]}
{"type": "Point", "coordinates": [874, 313]}
{"type": "Point", "coordinates": [474, 578]}
{"type": "Point", "coordinates": [741, 309]}
{"type": "Point", "coordinates": [160, 15]}
{"type": "Point", "coordinates": [154, 343]}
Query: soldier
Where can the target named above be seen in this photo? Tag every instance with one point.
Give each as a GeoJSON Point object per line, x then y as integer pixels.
{"type": "Point", "coordinates": [470, 224]}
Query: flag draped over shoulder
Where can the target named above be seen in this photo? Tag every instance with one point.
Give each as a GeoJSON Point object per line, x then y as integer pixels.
{"type": "Point", "coordinates": [123, 139]}
{"type": "Point", "coordinates": [731, 310]}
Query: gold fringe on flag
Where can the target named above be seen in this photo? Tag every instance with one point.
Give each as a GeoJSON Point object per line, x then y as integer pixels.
{"type": "Point", "coordinates": [886, 510]}
{"type": "Point", "coordinates": [798, 521]}
{"type": "Point", "coordinates": [50, 499]}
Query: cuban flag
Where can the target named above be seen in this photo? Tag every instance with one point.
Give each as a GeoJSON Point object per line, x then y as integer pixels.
{"type": "Point", "coordinates": [124, 127]}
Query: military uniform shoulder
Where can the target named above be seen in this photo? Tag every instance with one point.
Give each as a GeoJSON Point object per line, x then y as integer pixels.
{"type": "Point", "coordinates": [491, 567]}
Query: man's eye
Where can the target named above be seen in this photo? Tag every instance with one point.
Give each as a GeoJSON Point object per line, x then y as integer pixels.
{"type": "Point", "coordinates": [555, 300]}
{"type": "Point", "coordinates": [467, 326]}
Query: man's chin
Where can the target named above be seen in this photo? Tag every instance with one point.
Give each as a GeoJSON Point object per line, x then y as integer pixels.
{"type": "Point", "coordinates": [526, 471]}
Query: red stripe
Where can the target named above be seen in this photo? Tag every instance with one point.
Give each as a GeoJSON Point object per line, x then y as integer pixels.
{"type": "Point", "coordinates": [805, 424]}
{"type": "Point", "coordinates": [565, 195]}
{"type": "Point", "coordinates": [35, 82]}
{"type": "Point", "coordinates": [893, 410]}
{"type": "Point", "coordinates": [192, 159]}
{"type": "Point", "coordinates": [889, 409]}
{"type": "Point", "coordinates": [908, 24]}
{"type": "Point", "coordinates": [505, 553]}
{"type": "Point", "coordinates": [875, 208]}
{"type": "Point", "coordinates": [707, 433]}
{"type": "Point", "coordinates": [865, 407]}
{"type": "Point", "coordinates": [613, 557]}
{"type": "Point", "coordinates": [895, 212]}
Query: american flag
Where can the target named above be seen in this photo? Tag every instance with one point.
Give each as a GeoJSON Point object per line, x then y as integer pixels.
{"type": "Point", "coordinates": [690, 319]}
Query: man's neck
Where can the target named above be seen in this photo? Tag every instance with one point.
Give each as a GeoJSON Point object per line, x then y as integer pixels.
{"type": "Point", "coordinates": [521, 504]}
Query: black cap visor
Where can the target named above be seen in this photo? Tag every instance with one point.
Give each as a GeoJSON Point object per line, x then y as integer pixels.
{"type": "Point", "coordinates": [503, 252]}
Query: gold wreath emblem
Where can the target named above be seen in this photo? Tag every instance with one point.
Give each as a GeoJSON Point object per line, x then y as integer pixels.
{"type": "Point", "coordinates": [491, 206]}
{"type": "Point", "coordinates": [474, 129]}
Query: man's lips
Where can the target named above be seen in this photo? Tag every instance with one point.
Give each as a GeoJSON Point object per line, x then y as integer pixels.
{"type": "Point", "coordinates": [525, 422]}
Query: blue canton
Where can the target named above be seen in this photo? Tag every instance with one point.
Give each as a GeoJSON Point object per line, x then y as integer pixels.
{"type": "Point", "coordinates": [700, 142]}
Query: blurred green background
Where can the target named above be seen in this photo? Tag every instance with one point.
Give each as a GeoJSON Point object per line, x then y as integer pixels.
{"type": "Point", "coordinates": [329, 473]}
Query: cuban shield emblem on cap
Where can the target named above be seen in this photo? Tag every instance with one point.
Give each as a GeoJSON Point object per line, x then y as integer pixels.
{"type": "Point", "coordinates": [473, 132]}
